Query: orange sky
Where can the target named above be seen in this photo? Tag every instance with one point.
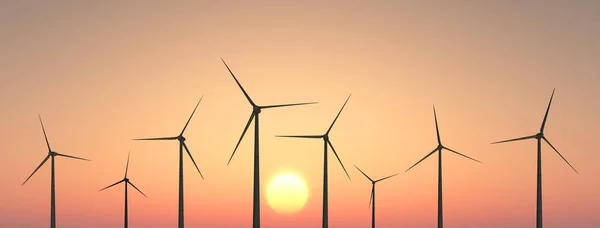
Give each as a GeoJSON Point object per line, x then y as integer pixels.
{"type": "Point", "coordinates": [103, 73]}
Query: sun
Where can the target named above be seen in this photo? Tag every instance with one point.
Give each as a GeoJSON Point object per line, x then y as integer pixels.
{"type": "Point", "coordinates": [287, 194]}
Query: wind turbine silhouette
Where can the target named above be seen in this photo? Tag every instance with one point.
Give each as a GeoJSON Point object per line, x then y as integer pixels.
{"type": "Point", "coordinates": [254, 116]}
{"type": "Point", "coordinates": [372, 199]}
{"type": "Point", "coordinates": [126, 181]}
{"type": "Point", "coordinates": [539, 136]}
{"type": "Point", "coordinates": [439, 149]}
{"type": "Point", "coordinates": [51, 155]}
{"type": "Point", "coordinates": [326, 141]}
{"type": "Point", "coordinates": [181, 139]}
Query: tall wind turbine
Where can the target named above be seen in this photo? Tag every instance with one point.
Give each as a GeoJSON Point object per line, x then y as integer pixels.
{"type": "Point", "coordinates": [439, 148]}
{"type": "Point", "coordinates": [325, 137]}
{"type": "Point", "coordinates": [127, 182]}
{"type": "Point", "coordinates": [539, 136]}
{"type": "Point", "coordinates": [182, 145]}
{"type": "Point", "coordinates": [51, 155]}
{"type": "Point", "coordinates": [256, 109]}
{"type": "Point", "coordinates": [372, 199]}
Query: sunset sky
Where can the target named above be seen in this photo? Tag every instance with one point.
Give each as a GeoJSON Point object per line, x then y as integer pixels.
{"type": "Point", "coordinates": [101, 73]}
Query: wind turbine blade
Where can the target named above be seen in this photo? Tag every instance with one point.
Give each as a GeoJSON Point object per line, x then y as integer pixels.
{"type": "Point", "coordinates": [127, 166]}
{"type": "Point", "coordinates": [516, 139]}
{"type": "Point", "coordinates": [371, 198]}
{"type": "Point", "coordinates": [338, 158]}
{"type": "Point", "coordinates": [300, 136]}
{"type": "Point", "coordinates": [190, 154]}
{"type": "Point", "coordinates": [560, 155]}
{"type": "Point", "coordinates": [163, 138]}
{"type": "Point", "coordinates": [437, 130]}
{"type": "Point", "coordinates": [111, 185]}
{"type": "Point", "coordinates": [338, 115]}
{"type": "Point", "coordinates": [285, 105]}
{"type": "Point", "coordinates": [363, 173]}
{"type": "Point", "coordinates": [69, 156]}
{"type": "Point", "coordinates": [241, 137]}
{"type": "Point", "coordinates": [36, 169]}
{"type": "Point", "coordinates": [129, 182]}
{"type": "Point", "coordinates": [387, 177]}
{"type": "Point", "coordinates": [422, 159]}
{"type": "Point", "coordinates": [547, 110]}
{"type": "Point", "coordinates": [188, 122]}
{"type": "Point", "coordinates": [44, 130]}
{"type": "Point", "coordinates": [462, 154]}
{"type": "Point", "coordinates": [238, 83]}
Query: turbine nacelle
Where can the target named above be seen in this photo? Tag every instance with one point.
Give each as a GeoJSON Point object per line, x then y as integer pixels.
{"type": "Point", "coordinates": [181, 138]}
{"type": "Point", "coordinates": [439, 147]}
{"type": "Point", "coordinates": [539, 136]}
{"type": "Point", "coordinates": [52, 153]}
{"type": "Point", "coordinates": [325, 137]}
{"type": "Point", "coordinates": [256, 109]}
{"type": "Point", "coordinates": [126, 179]}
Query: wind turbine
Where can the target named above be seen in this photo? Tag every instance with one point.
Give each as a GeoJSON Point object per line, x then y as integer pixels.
{"type": "Point", "coordinates": [539, 136]}
{"type": "Point", "coordinates": [182, 145]}
{"type": "Point", "coordinates": [372, 199]}
{"type": "Point", "coordinates": [439, 148]}
{"type": "Point", "coordinates": [325, 137]}
{"type": "Point", "coordinates": [51, 155]}
{"type": "Point", "coordinates": [256, 109]}
{"type": "Point", "coordinates": [126, 181]}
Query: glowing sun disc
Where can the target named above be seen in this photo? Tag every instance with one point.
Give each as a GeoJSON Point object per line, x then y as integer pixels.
{"type": "Point", "coordinates": [287, 194]}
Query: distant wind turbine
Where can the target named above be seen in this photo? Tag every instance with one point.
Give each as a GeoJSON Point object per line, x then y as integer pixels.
{"type": "Point", "coordinates": [51, 154]}
{"type": "Point", "coordinates": [127, 182]}
{"type": "Point", "coordinates": [439, 149]}
{"type": "Point", "coordinates": [539, 136]}
{"type": "Point", "coordinates": [254, 116]}
{"type": "Point", "coordinates": [372, 199]}
{"type": "Point", "coordinates": [181, 139]}
{"type": "Point", "coordinates": [325, 137]}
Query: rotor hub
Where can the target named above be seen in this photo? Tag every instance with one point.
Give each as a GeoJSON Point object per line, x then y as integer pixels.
{"type": "Point", "coordinates": [256, 109]}
{"type": "Point", "coordinates": [52, 153]}
{"type": "Point", "coordinates": [326, 137]}
{"type": "Point", "coordinates": [539, 135]}
{"type": "Point", "coordinates": [126, 179]}
{"type": "Point", "coordinates": [181, 138]}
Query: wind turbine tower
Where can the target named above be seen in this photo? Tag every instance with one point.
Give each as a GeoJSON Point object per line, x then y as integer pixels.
{"type": "Point", "coordinates": [439, 149]}
{"type": "Point", "coordinates": [127, 182]}
{"type": "Point", "coordinates": [539, 137]}
{"type": "Point", "coordinates": [51, 155]}
{"type": "Point", "coordinates": [256, 110]}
